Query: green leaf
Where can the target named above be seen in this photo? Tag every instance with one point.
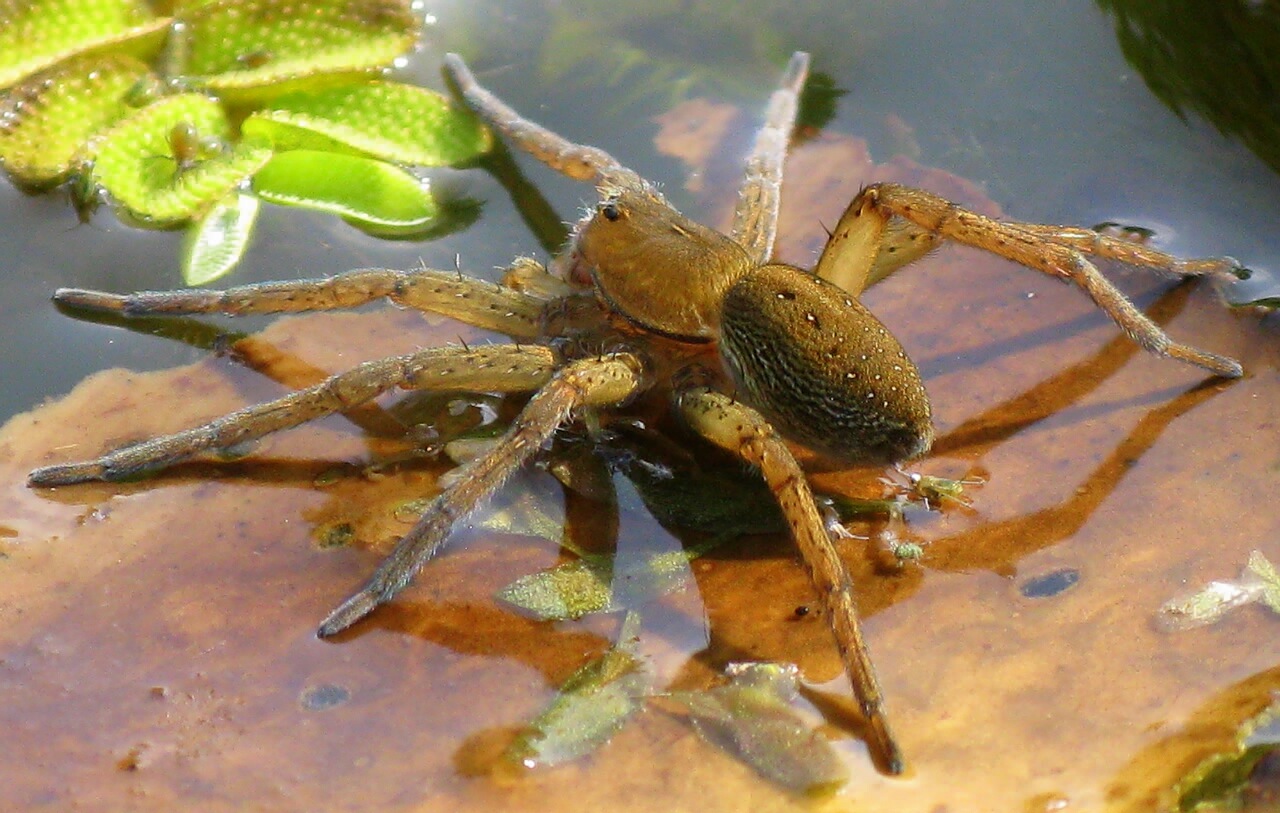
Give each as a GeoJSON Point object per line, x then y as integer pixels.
{"type": "Point", "coordinates": [360, 189]}
{"type": "Point", "coordinates": [752, 718]}
{"type": "Point", "coordinates": [49, 118]}
{"type": "Point", "coordinates": [1221, 781]}
{"type": "Point", "coordinates": [1262, 568]}
{"type": "Point", "coordinates": [1258, 581]}
{"type": "Point", "coordinates": [159, 166]}
{"type": "Point", "coordinates": [245, 49]}
{"type": "Point", "coordinates": [36, 34]}
{"type": "Point", "coordinates": [592, 584]}
{"type": "Point", "coordinates": [218, 241]}
{"type": "Point", "coordinates": [592, 705]}
{"type": "Point", "coordinates": [388, 120]}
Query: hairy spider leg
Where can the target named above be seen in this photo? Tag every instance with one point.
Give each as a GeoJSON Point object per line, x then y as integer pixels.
{"type": "Point", "coordinates": [755, 218]}
{"type": "Point", "coordinates": [495, 368]}
{"type": "Point", "coordinates": [744, 432]}
{"type": "Point", "coordinates": [903, 242]}
{"type": "Point", "coordinates": [578, 161]}
{"type": "Point", "coordinates": [850, 255]}
{"type": "Point", "coordinates": [594, 382]}
{"type": "Point", "coordinates": [1130, 252]}
{"type": "Point", "coordinates": [448, 293]}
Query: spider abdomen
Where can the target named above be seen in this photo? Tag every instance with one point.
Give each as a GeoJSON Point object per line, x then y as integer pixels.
{"type": "Point", "coordinates": [822, 368]}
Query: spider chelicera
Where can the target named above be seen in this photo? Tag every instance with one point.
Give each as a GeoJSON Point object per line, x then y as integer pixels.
{"type": "Point", "coordinates": [640, 305]}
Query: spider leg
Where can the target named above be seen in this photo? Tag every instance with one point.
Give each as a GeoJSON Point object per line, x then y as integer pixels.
{"type": "Point", "coordinates": [851, 254]}
{"type": "Point", "coordinates": [744, 432]}
{"type": "Point", "coordinates": [595, 382]}
{"type": "Point", "coordinates": [755, 218]}
{"type": "Point", "coordinates": [578, 161]}
{"type": "Point", "coordinates": [476, 302]}
{"type": "Point", "coordinates": [497, 368]}
{"type": "Point", "coordinates": [1130, 252]}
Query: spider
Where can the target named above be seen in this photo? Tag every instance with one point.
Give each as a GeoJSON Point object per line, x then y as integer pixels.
{"type": "Point", "coordinates": [755, 354]}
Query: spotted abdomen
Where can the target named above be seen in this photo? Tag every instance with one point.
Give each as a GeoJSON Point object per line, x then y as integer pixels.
{"type": "Point", "coordinates": [822, 368]}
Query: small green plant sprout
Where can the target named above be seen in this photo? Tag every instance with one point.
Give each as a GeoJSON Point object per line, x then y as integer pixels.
{"type": "Point", "coordinates": [187, 121]}
{"type": "Point", "coordinates": [1258, 583]}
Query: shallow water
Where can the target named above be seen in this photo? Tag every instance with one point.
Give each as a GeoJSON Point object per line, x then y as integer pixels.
{"type": "Point", "coordinates": [157, 638]}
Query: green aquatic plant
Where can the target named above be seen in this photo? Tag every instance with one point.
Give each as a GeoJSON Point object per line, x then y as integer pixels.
{"type": "Point", "coordinates": [188, 119]}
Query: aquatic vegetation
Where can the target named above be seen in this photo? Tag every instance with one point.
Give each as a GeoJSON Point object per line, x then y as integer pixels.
{"type": "Point", "coordinates": [188, 120]}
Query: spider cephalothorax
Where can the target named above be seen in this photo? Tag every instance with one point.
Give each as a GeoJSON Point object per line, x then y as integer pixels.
{"type": "Point", "coordinates": [655, 294]}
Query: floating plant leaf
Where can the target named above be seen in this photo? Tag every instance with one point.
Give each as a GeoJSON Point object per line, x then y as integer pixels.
{"type": "Point", "coordinates": [360, 189]}
{"type": "Point", "coordinates": [592, 705]}
{"type": "Point", "coordinates": [387, 120]}
{"type": "Point", "coordinates": [159, 178]}
{"type": "Point", "coordinates": [751, 717]}
{"type": "Point", "coordinates": [217, 242]}
{"type": "Point", "coordinates": [36, 34]}
{"type": "Point", "coordinates": [1221, 781]}
{"type": "Point", "coordinates": [47, 120]}
{"type": "Point", "coordinates": [244, 49]}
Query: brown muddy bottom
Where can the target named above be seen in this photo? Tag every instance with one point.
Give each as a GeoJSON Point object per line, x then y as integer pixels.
{"type": "Point", "coordinates": [157, 646]}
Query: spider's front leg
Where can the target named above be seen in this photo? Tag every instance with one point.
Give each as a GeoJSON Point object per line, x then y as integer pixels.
{"type": "Point", "coordinates": [595, 382]}
{"type": "Point", "coordinates": [497, 368]}
{"type": "Point", "coordinates": [742, 431]}
{"type": "Point", "coordinates": [448, 293]}
{"type": "Point", "coordinates": [755, 217]}
{"type": "Point", "coordinates": [852, 258]}
{"type": "Point", "coordinates": [578, 161]}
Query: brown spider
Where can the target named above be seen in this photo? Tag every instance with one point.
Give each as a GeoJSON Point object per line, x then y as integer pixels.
{"type": "Point", "coordinates": [654, 295]}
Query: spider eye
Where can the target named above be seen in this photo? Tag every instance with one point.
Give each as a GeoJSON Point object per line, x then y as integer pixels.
{"type": "Point", "coordinates": [610, 211]}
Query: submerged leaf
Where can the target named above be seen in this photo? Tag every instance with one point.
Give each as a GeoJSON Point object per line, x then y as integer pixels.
{"type": "Point", "coordinates": [592, 705]}
{"type": "Point", "coordinates": [159, 166]}
{"type": "Point", "coordinates": [46, 122]}
{"type": "Point", "coordinates": [387, 120]}
{"type": "Point", "coordinates": [1257, 582]}
{"type": "Point", "coordinates": [531, 513]}
{"type": "Point", "coordinates": [360, 189]}
{"type": "Point", "coordinates": [1221, 782]}
{"type": "Point", "coordinates": [218, 241]}
{"type": "Point", "coordinates": [752, 717]}
{"type": "Point", "coordinates": [36, 34]}
{"type": "Point", "coordinates": [243, 49]}
{"type": "Point", "coordinates": [592, 584]}
{"type": "Point", "coordinates": [1261, 567]}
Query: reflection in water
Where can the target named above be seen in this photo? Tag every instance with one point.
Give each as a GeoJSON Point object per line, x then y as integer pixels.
{"type": "Point", "coordinates": [1220, 59]}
